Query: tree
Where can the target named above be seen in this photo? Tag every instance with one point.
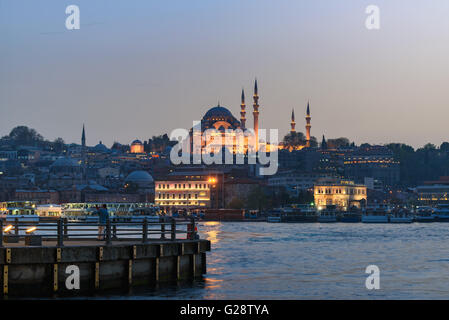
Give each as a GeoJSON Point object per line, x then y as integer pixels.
{"type": "Point", "coordinates": [59, 145]}
{"type": "Point", "coordinates": [338, 143]}
{"type": "Point", "coordinates": [22, 135]}
{"type": "Point", "coordinates": [256, 199]}
{"type": "Point", "coordinates": [444, 147]}
{"type": "Point", "coordinates": [236, 203]}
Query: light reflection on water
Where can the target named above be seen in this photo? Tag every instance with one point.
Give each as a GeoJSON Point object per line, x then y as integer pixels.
{"type": "Point", "coordinates": [260, 260]}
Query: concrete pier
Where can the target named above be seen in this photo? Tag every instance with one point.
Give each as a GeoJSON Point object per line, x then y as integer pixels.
{"type": "Point", "coordinates": [44, 270]}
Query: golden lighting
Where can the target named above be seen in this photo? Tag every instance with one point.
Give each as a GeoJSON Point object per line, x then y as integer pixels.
{"type": "Point", "coordinates": [31, 230]}
{"type": "Point", "coordinates": [8, 228]}
{"type": "Point", "coordinates": [211, 223]}
{"type": "Point", "coordinates": [212, 180]}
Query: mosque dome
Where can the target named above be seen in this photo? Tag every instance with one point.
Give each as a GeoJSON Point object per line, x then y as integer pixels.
{"type": "Point", "coordinates": [137, 146]}
{"type": "Point", "coordinates": [139, 177]}
{"type": "Point", "coordinates": [100, 148]}
{"type": "Point", "coordinates": [219, 117]}
{"type": "Point", "coordinates": [218, 112]}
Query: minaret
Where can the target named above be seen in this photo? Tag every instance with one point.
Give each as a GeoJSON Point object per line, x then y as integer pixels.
{"type": "Point", "coordinates": [243, 112]}
{"type": "Point", "coordinates": [324, 143]}
{"type": "Point", "coordinates": [293, 123]}
{"type": "Point", "coordinates": [308, 126]}
{"type": "Point", "coordinates": [83, 152]}
{"type": "Point", "coordinates": [256, 115]}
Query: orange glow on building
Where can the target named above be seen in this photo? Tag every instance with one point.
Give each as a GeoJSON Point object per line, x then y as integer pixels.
{"type": "Point", "coordinates": [137, 147]}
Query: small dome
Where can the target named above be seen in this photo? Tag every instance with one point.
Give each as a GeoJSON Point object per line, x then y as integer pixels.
{"type": "Point", "coordinates": [101, 148]}
{"type": "Point", "coordinates": [65, 162]}
{"type": "Point", "coordinates": [136, 142]}
{"type": "Point", "coordinates": [139, 176]}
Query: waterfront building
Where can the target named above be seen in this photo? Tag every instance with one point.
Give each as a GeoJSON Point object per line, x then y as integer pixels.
{"type": "Point", "coordinates": [344, 194]}
{"type": "Point", "coordinates": [434, 192]}
{"type": "Point", "coordinates": [190, 189]}
{"type": "Point", "coordinates": [294, 181]}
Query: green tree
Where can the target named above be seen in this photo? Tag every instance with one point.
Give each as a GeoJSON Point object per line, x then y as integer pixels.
{"type": "Point", "coordinates": [22, 135]}
{"type": "Point", "coordinates": [236, 203]}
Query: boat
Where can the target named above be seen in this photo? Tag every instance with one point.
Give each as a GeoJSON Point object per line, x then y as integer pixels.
{"type": "Point", "coordinates": [290, 215]}
{"type": "Point", "coordinates": [441, 213]}
{"type": "Point", "coordinates": [298, 215]}
{"type": "Point", "coordinates": [274, 216]}
{"type": "Point", "coordinates": [353, 215]}
{"type": "Point", "coordinates": [424, 214]}
{"type": "Point", "coordinates": [376, 214]}
{"type": "Point", "coordinates": [401, 216]}
{"type": "Point", "coordinates": [327, 215]}
{"type": "Point", "coordinates": [23, 211]}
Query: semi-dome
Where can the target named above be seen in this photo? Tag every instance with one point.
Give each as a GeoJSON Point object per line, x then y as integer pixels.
{"type": "Point", "coordinates": [139, 176]}
{"type": "Point", "coordinates": [137, 141]}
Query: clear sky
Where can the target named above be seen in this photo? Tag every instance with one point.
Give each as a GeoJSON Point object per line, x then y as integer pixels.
{"type": "Point", "coordinates": [142, 68]}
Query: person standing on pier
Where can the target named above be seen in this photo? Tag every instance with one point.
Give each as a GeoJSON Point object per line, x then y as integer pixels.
{"type": "Point", "coordinates": [104, 217]}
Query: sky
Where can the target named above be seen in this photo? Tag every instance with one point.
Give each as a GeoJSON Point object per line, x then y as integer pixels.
{"type": "Point", "coordinates": [140, 68]}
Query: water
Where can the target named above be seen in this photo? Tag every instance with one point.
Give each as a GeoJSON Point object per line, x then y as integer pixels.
{"type": "Point", "coordinates": [259, 260]}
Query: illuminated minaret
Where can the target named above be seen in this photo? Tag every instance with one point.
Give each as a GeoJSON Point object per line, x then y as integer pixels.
{"type": "Point", "coordinates": [293, 123]}
{"type": "Point", "coordinates": [256, 115]}
{"type": "Point", "coordinates": [243, 112]}
{"type": "Point", "coordinates": [308, 126]}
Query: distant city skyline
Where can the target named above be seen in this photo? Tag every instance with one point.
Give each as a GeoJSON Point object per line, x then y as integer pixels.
{"type": "Point", "coordinates": [137, 70]}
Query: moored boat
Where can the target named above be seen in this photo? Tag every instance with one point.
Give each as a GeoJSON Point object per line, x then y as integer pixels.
{"type": "Point", "coordinates": [327, 215]}
{"type": "Point", "coordinates": [441, 213]}
{"type": "Point", "coordinates": [377, 214]}
{"type": "Point", "coordinates": [424, 214]}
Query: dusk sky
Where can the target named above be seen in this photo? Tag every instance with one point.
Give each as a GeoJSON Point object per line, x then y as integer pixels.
{"type": "Point", "coordinates": [141, 68]}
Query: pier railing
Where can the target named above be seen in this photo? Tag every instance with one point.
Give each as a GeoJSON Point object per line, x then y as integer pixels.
{"type": "Point", "coordinates": [61, 230]}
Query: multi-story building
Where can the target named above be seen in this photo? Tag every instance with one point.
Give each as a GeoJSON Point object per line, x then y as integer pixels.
{"type": "Point", "coordinates": [434, 192]}
{"type": "Point", "coordinates": [344, 194]}
{"type": "Point", "coordinates": [190, 190]}
{"type": "Point", "coordinates": [294, 182]}
{"type": "Point", "coordinates": [375, 162]}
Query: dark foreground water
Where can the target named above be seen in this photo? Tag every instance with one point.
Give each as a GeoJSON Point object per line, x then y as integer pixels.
{"type": "Point", "coordinates": [260, 260]}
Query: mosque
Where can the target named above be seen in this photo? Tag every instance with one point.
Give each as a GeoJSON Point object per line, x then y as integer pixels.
{"type": "Point", "coordinates": [221, 119]}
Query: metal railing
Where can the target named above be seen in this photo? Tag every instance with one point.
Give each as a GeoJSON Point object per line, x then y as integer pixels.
{"type": "Point", "coordinates": [61, 230]}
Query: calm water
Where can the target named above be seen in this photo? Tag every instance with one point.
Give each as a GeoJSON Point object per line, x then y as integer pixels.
{"type": "Point", "coordinates": [318, 261]}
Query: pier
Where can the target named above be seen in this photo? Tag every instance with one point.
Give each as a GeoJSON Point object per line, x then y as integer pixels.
{"type": "Point", "coordinates": [39, 263]}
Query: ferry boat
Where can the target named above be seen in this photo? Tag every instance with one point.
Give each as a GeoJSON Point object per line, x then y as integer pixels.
{"type": "Point", "coordinates": [424, 214]}
{"type": "Point", "coordinates": [377, 214]}
{"type": "Point", "coordinates": [292, 215]}
{"type": "Point", "coordinates": [353, 215]}
{"type": "Point", "coordinates": [24, 211]}
{"type": "Point", "coordinates": [274, 216]}
{"type": "Point", "coordinates": [401, 216]}
{"type": "Point", "coordinates": [327, 215]}
{"type": "Point", "coordinates": [299, 215]}
{"type": "Point", "coordinates": [119, 211]}
{"type": "Point", "coordinates": [441, 213]}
